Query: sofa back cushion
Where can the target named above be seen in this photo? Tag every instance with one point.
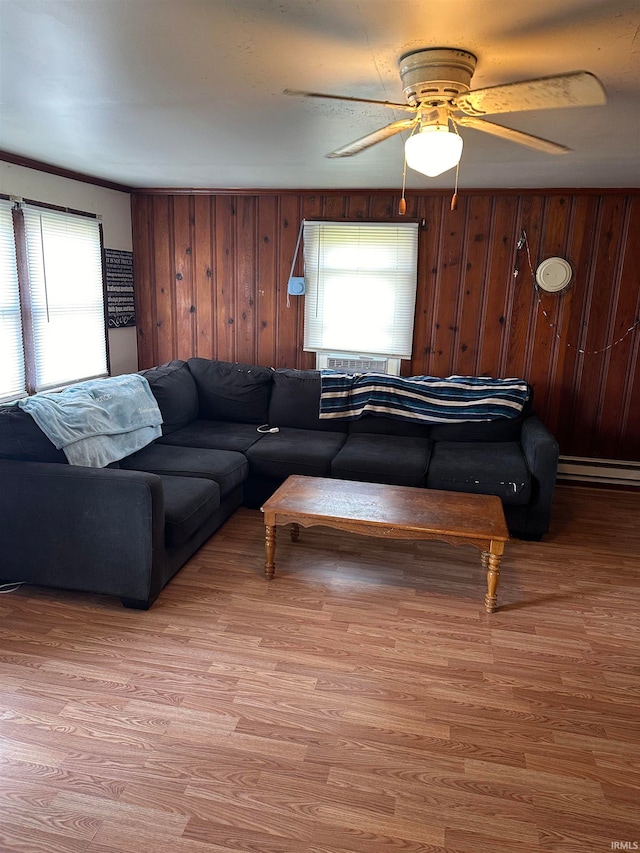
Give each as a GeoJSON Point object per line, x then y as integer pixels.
{"type": "Point", "coordinates": [502, 429]}
{"type": "Point", "coordinates": [176, 393]}
{"type": "Point", "coordinates": [295, 401]}
{"type": "Point", "coordinates": [232, 391]}
{"type": "Point", "coordinates": [22, 438]}
{"type": "Point", "coordinates": [379, 425]}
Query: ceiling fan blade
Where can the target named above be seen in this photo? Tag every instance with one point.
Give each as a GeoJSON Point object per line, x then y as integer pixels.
{"type": "Point", "coordinates": [513, 135]}
{"type": "Point", "coordinates": [372, 138]}
{"type": "Point", "coordinates": [298, 92]}
{"type": "Point", "coordinates": [575, 89]}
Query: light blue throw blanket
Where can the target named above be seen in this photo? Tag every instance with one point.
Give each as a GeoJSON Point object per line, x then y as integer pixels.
{"type": "Point", "coordinates": [98, 421]}
{"type": "Point", "coordinates": [456, 399]}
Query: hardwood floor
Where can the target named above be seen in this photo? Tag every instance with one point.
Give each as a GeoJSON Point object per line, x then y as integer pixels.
{"type": "Point", "coordinates": [361, 702]}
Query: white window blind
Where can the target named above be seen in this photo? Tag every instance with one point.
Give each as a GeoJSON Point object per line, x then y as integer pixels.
{"type": "Point", "coordinates": [64, 258]}
{"type": "Point", "coordinates": [360, 287]}
{"type": "Point", "coordinates": [12, 374]}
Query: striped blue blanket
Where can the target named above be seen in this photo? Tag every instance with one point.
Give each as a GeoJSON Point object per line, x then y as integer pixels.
{"type": "Point", "coordinates": [347, 396]}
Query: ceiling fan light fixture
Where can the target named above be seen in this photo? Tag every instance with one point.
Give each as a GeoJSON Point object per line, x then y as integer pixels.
{"type": "Point", "coordinates": [433, 150]}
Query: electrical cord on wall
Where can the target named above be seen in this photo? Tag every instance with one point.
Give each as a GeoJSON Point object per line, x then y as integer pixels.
{"type": "Point", "coordinates": [293, 263]}
{"type": "Point", "coordinates": [9, 587]}
{"type": "Point", "coordinates": [523, 242]}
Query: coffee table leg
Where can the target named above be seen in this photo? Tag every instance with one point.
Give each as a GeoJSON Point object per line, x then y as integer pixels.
{"type": "Point", "coordinates": [295, 532]}
{"type": "Point", "coordinates": [491, 562]}
{"type": "Point", "coordinates": [270, 548]}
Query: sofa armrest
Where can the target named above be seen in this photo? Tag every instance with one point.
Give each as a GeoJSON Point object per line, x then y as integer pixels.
{"type": "Point", "coordinates": [94, 529]}
{"type": "Point", "coordinates": [541, 453]}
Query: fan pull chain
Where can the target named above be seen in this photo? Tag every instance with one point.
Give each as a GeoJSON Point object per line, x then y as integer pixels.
{"type": "Point", "coordinates": [402, 207]}
{"type": "Point", "coordinates": [552, 325]}
{"type": "Point", "coordinates": [454, 197]}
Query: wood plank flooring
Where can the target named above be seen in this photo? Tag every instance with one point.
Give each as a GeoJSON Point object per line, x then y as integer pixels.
{"type": "Point", "coordinates": [361, 702]}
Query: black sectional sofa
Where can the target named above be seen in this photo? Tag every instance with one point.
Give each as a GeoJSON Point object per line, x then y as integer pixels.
{"type": "Point", "coordinates": [126, 529]}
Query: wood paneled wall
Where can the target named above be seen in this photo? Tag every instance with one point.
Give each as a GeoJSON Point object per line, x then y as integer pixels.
{"type": "Point", "coordinates": [211, 274]}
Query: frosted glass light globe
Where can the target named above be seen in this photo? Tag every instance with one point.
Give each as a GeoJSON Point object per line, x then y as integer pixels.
{"type": "Point", "coordinates": [434, 150]}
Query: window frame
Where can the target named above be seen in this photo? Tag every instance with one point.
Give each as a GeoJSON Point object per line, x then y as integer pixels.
{"type": "Point", "coordinates": [312, 279]}
{"type": "Point", "coordinates": [29, 346]}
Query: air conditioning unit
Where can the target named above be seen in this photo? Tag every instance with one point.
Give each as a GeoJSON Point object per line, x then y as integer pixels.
{"type": "Point", "coordinates": [360, 363]}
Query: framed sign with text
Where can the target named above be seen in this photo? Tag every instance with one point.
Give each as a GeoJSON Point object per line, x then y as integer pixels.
{"type": "Point", "coordinates": [120, 301]}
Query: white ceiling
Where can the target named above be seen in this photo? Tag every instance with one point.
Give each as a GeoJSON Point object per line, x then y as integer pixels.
{"type": "Point", "coordinates": [188, 93]}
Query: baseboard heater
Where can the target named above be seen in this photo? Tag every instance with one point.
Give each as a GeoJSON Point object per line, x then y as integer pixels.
{"type": "Point", "coordinates": [609, 472]}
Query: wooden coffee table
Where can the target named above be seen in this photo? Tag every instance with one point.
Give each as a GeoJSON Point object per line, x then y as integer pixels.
{"type": "Point", "coordinates": [391, 512]}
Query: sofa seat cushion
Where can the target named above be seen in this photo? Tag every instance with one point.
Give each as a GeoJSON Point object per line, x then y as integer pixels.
{"type": "Point", "coordinates": [230, 391]}
{"type": "Point", "coordinates": [176, 393]}
{"type": "Point", "coordinates": [188, 503]}
{"type": "Point", "coordinates": [295, 451]}
{"type": "Point", "coordinates": [215, 435]}
{"type": "Point", "coordinates": [226, 468]}
{"type": "Point", "coordinates": [485, 468]}
{"type": "Point", "coordinates": [397, 460]}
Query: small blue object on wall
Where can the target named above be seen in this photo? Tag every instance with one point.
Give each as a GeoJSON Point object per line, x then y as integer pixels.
{"type": "Point", "coordinates": [296, 286]}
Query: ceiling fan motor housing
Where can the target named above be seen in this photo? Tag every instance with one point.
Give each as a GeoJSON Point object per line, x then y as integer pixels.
{"type": "Point", "coordinates": [437, 75]}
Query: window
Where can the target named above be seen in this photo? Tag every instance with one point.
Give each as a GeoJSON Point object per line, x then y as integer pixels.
{"type": "Point", "coordinates": [360, 287]}
{"type": "Point", "coordinates": [11, 345]}
{"type": "Point", "coordinates": [52, 313]}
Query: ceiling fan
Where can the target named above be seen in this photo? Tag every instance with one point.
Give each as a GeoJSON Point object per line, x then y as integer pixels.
{"type": "Point", "coordinates": [436, 83]}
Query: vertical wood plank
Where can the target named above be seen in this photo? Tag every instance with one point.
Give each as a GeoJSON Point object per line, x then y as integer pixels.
{"type": "Point", "coordinates": [224, 282]}
{"type": "Point", "coordinates": [429, 213]}
{"type": "Point", "coordinates": [184, 310]}
{"type": "Point", "coordinates": [384, 207]}
{"type": "Point", "coordinates": [333, 207]}
{"type": "Point", "coordinates": [245, 276]}
{"type": "Point", "coordinates": [628, 438]}
{"type": "Point", "coordinates": [629, 434]}
{"type": "Point", "coordinates": [586, 219]}
{"type": "Point", "coordinates": [452, 225]}
{"type": "Point", "coordinates": [522, 314]}
{"type": "Point", "coordinates": [620, 359]}
{"type": "Point", "coordinates": [560, 394]}
{"type": "Point", "coordinates": [311, 207]}
{"type": "Point", "coordinates": [471, 289]}
{"type": "Point", "coordinates": [268, 272]}
{"type": "Point", "coordinates": [602, 298]}
{"type": "Point", "coordinates": [290, 332]}
{"type": "Point", "coordinates": [357, 206]}
{"type": "Point", "coordinates": [164, 282]}
{"type": "Point", "coordinates": [499, 286]}
{"type": "Point", "coordinates": [543, 343]}
{"type": "Point", "coordinates": [203, 266]}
